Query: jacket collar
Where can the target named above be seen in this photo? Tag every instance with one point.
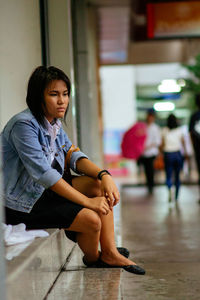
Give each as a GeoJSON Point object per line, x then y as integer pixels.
{"type": "Point", "coordinates": [51, 128]}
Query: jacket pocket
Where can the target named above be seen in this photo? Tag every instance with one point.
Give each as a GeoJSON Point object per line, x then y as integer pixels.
{"type": "Point", "coordinates": [20, 185]}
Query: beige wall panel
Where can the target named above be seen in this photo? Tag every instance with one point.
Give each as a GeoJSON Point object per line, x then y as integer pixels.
{"type": "Point", "coordinates": [164, 51]}
{"type": "Point", "coordinates": [20, 53]}
{"type": "Point", "coordinates": [156, 52]}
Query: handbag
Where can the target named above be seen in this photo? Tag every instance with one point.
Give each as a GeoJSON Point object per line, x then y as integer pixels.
{"type": "Point", "coordinates": [159, 162]}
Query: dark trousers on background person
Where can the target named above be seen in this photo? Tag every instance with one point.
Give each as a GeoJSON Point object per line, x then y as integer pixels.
{"type": "Point", "coordinates": [147, 162]}
{"type": "Point", "coordinates": [197, 159]}
{"type": "Point", "coordinates": [173, 165]}
{"type": "Point", "coordinates": [196, 146]}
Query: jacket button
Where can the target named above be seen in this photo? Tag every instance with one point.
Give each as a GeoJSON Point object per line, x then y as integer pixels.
{"type": "Point", "coordinates": [56, 154]}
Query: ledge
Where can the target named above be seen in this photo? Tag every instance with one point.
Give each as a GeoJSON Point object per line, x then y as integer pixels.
{"type": "Point", "coordinates": [33, 271]}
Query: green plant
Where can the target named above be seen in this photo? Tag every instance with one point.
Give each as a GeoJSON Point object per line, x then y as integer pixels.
{"type": "Point", "coordinates": [193, 84]}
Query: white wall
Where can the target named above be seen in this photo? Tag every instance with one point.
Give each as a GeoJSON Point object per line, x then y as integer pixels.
{"type": "Point", "coordinates": [20, 53]}
{"type": "Point", "coordinates": [154, 73]}
{"type": "Point", "coordinates": [118, 96]}
{"type": "Point", "coordinates": [119, 103]}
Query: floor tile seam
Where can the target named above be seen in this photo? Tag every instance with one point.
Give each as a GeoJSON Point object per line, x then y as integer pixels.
{"type": "Point", "coordinates": [75, 269]}
{"type": "Point", "coordinates": [59, 273]}
{"type": "Point", "coordinates": [82, 268]}
{"type": "Point", "coordinates": [177, 262]}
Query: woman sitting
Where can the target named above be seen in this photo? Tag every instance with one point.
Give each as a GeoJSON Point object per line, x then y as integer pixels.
{"type": "Point", "coordinates": [39, 191]}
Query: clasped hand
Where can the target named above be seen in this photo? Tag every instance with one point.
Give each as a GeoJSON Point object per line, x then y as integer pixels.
{"type": "Point", "coordinates": [109, 191]}
{"type": "Point", "coordinates": [109, 196]}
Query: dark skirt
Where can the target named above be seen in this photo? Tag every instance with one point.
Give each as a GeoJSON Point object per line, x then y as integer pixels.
{"type": "Point", "coordinates": [50, 211]}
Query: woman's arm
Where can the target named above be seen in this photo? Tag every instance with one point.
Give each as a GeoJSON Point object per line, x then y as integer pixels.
{"type": "Point", "coordinates": [108, 187]}
{"type": "Point", "coordinates": [161, 148]}
{"type": "Point", "coordinates": [87, 167]}
{"type": "Point", "coordinates": [25, 142]}
{"type": "Point", "coordinates": [184, 147]}
{"type": "Point", "coordinates": [98, 204]}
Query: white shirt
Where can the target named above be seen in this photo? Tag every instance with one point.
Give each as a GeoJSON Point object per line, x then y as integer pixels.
{"type": "Point", "coordinates": [172, 139]}
{"type": "Point", "coordinates": [53, 130]}
{"type": "Point", "coordinates": [153, 140]}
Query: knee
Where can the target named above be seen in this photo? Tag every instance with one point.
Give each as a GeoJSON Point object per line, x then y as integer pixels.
{"type": "Point", "coordinates": [94, 222]}
{"type": "Point", "coordinates": [96, 188]}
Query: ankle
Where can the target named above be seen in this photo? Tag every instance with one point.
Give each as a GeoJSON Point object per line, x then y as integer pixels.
{"type": "Point", "coordinates": [92, 257]}
{"type": "Point", "coordinates": [109, 252]}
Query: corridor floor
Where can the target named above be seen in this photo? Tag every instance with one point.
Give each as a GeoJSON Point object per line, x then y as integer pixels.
{"type": "Point", "coordinates": [162, 238]}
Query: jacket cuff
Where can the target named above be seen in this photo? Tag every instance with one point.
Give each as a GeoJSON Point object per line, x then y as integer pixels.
{"type": "Point", "coordinates": [74, 158]}
{"type": "Point", "coordinates": [49, 178]}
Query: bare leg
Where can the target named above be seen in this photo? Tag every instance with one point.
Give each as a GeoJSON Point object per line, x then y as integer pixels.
{"type": "Point", "coordinates": [91, 188]}
{"type": "Point", "coordinates": [88, 225]}
{"type": "Point", "coordinates": [107, 240]}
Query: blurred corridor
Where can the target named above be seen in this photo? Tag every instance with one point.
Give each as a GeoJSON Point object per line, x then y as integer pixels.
{"type": "Point", "coordinates": [162, 238]}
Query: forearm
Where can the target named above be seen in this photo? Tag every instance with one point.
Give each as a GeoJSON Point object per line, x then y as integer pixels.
{"type": "Point", "coordinates": [62, 188]}
{"type": "Point", "coordinates": [98, 204]}
{"type": "Point", "coordinates": [161, 147]}
{"type": "Point", "coordinates": [184, 147]}
{"type": "Point", "coordinates": [87, 167]}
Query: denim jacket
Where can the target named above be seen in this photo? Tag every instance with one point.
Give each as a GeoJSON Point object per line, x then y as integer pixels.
{"type": "Point", "coordinates": [27, 170]}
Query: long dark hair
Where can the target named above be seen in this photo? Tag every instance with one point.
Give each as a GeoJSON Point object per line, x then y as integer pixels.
{"type": "Point", "coordinates": [39, 80]}
{"type": "Point", "coordinates": [172, 122]}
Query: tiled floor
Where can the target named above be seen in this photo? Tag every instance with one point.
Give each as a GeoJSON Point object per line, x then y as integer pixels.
{"type": "Point", "coordinates": [162, 238]}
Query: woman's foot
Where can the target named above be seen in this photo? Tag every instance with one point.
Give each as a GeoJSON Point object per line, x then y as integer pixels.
{"type": "Point", "coordinates": [109, 259]}
{"type": "Point", "coordinates": [116, 260]}
{"type": "Point", "coordinates": [123, 251]}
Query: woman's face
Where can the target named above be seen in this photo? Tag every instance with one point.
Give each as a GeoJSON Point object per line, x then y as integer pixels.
{"type": "Point", "coordinates": [150, 119]}
{"type": "Point", "coordinates": [56, 100]}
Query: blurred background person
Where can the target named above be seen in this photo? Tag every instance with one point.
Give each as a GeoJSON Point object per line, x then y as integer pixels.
{"type": "Point", "coordinates": [194, 129]}
{"type": "Point", "coordinates": [151, 149]}
{"type": "Point", "coordinates": [172, 143]}
{"type": "Point", "coordinates": [188, 163]}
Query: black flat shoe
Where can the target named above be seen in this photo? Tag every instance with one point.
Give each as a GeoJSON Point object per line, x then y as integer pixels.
{"type": "Point", "coordinates": [130, 268]}
{"type": "Point", "coordinates": [90, 264]}
{"type": "Point", "coordinates": [123, 251]}
{"type": "Point", "coordinates": [101, 264]}
{"type": "Point", "coordinates": [134, 269]}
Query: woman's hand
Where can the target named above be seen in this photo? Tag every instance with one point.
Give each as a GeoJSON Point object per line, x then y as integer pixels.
{"type": "Point", "coordinates": [109, 190]}
{"type": "Point", "coordinates": [108, 187]}
{"type": "Point", "coordinates": [98, 204]}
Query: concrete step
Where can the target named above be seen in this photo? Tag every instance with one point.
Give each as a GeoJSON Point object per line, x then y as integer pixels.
{"type": "Point", "coordinates": [35, 273]}
{"type": "Point", "coordinates": [31, 274]}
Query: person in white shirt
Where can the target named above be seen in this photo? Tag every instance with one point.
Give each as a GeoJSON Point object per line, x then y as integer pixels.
{"type": "Point", "coordinates": [172, 143]}
{"type": "Point", "coordinates": [151, 150]}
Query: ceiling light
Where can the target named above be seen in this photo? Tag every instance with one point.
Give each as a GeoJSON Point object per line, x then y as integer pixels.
{"type": "Point", "coordinates": [169, 86]}
{"type": "Point", "coordinates": [164, 106]}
